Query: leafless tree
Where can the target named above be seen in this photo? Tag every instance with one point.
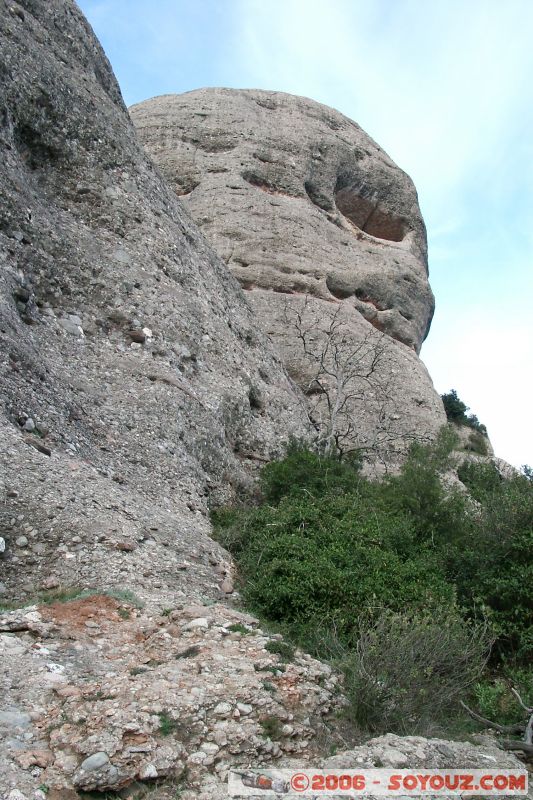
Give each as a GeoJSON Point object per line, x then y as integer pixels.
{"type": "Point", "coordinates": [343, 375]}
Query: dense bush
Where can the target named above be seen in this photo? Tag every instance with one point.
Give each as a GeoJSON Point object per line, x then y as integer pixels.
{"type": "Point", "coordinates": [305, 471]}
{"type": "Point", "coordinates": [477, 443]}
{"type": "Point", "coordinates": [334, 558]}
{"type": "Point", "coordinates": [456, 412]}
{"type": "Point", "coordinates": [368, 573]}
{"type": "Point", "coordinates": [407, 670]}
{"type": "Point", "coordinates": [494, 564]}
{"type": "Point", "coordinates": [418, 492]}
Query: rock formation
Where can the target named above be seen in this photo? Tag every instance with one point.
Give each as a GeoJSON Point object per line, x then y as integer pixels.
{"type": "Point", "coordinates": [134, 383]}
{"type": "Point", "coordinates": [135, 389]}
{"type": "Point", "coordinates": [134, 379]}
{"type": "Point", "coordinates": [300, 202]}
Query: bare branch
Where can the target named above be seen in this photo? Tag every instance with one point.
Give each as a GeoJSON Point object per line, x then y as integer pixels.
{"type": "Point", "coordinates": [494, 725]}
{"type": "Point", "coordinates": [508, 744]}
{"type": "Point", "coordinates": [346, 376]}
{"type": "Point", "coordinates": [528, 734]}
{"type": "Point", "coordinates": [521, 702]}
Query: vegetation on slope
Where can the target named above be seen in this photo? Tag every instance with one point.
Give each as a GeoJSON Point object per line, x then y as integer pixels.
{"type": "Point", "coordinates": [456, 412]}
{"type": "Point", "coordinates": [420, 593]}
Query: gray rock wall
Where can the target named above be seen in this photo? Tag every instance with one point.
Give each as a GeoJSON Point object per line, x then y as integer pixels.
{"type": "Point", "coordinates": [134, 381]}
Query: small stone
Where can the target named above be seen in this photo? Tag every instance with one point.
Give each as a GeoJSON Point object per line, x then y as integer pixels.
{"type": "Point", "coordinates": [57, 669]}
{"type": "Point", "coordinates": [201, 623]}
{"type": "Point", "coordinates": [394, 758]}
{"type": "Point", "coordinates": [41, 447]}
{"type": "Point", "coordinates": [287, 730]}
{"type": "Point", "coordinates": [227, 586]}
{"type": "Point", "coordinates": [139, 337]}
{"type": "Point", "coordinates": [220, 737]}
{"type": "Point", "coordinates": [122, 256]}
{"type": "Point", "coordinates": [22, 294]}
{"type": "Point", "coordinates": [197, 758]}
{"type": "Point", "coordinates": [244, 708]}
{"type": "Point", "coordinates": [22, 541]}
{"type": "Point", "coordinates": [68, 691]}
{"type": "Point", "coordinates": [2, 544]}
{"type": "Point", "coordinates": [50, 583]}
{"type": "Point", "coordinates": [34, 758]}
{"type": "Point", "coordinates": [112, 193]}
{"type": "Point", "coordinates": [210, 748]}
{"type": "Point", "coordinates": [147, 772]}
{"type": "Point", "coordinates": [223, 710]}
{"type": "Point", "coordinates": [14, 719]}
{"type": "Point", "coordinates": [126, 547]}
{"type": "Point", "coordinates": [94, 762]}
{"type": "Point", "coordinates": [29, 425]}
{"type": "Point", "coordinates": [71, 327]}
{"type": "Point", "coordinates": [14, 794]}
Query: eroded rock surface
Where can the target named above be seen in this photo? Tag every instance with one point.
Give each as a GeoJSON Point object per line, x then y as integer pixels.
{"type": "Point", "coordinates": [300, 202]}
{"type": "Point", "coordinates": [134, 381]}
{"type": "Point", "coordinates": [100, 695]}
{"type": "Point", "coordinates": [296, 198]}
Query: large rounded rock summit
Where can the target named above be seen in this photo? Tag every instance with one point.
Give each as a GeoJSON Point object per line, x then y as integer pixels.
{"type": "Point", "coordinates": [307, 210]}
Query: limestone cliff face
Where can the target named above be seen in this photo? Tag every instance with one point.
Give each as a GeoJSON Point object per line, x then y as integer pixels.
{"type": "Point", "coordinates": [300, 202]}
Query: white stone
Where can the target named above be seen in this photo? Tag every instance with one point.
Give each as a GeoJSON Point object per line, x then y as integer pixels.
{"type": "Point", "coordinates": [223, 709]}
{"type": "Point", "coordinates": [148, 771]}
{"type": "Point", "coordinates": [94, 762]}
{"type": "Point", "coordinates": [201, 623]}
{"type": "Point", "coordinates": [210, 748]}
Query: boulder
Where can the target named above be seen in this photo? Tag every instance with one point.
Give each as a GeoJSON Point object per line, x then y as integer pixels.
{"type": "Point", "coordinates": [305, 208]}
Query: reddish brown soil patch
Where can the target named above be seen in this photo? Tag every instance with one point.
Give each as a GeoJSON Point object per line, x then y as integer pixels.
{"type": "Point", "coordinates": [75, 613]}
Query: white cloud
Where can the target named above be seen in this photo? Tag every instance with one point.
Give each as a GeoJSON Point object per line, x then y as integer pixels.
{"type": "Point", "coordinates": [490, 360]}
{"type": "Point", "coordinates": [437, 84]}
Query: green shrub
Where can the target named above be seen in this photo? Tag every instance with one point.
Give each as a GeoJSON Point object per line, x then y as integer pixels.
{"type": "Point", "coordinates": [408, 670]}
{"type": "Point", "coordinates": [336, 558]}
{"type": "Point", "coordinates": [167, 725]}
{"type": "Point", "coordinates": [456, 412]}
{"type": "Point", "coordinates": [477, 443]}
{"type": "Point", "coordinates": [238, 627]}
{"type": "Point", "coordinates": [436, 514]}
{"type": "Point", "coordinates": [480, 479]}
{"type": "Point", "coordinates": [368, 573]}
{"type": "Point", "coordinates": [271, 727]}
{"type": "Point", "coordinates": [494, 700]}
{"type": "Point", "coordinates": [305, 471]}
{"type": "Point", "coordinates": [283, 649]}
{"type": "Point", "coordinates": [494, 566]}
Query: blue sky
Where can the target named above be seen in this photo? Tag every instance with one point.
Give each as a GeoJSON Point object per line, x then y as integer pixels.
{"type": "Point", "coordinates": [446, 88]}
